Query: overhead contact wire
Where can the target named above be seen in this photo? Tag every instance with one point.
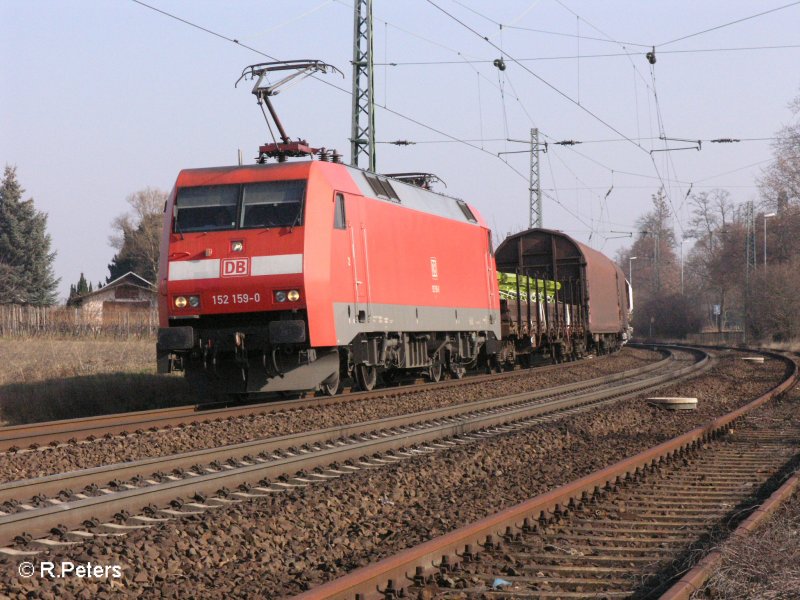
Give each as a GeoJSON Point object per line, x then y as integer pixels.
{"type": "Point", "coordinates": [538, 77]}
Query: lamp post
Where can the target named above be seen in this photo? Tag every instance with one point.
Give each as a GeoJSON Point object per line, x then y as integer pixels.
{"type": "Point", "coordinates": [766, 216]}
{"type": "Point", "coordinates": [683, 239]}
{"type": "Point", "coordinates": [630, 269]}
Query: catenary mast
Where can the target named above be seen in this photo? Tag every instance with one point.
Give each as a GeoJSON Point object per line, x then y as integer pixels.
{"type": "Point", "coordinates": [362, 137]}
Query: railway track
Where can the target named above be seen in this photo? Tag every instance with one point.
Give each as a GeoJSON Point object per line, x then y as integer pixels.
{"type": "Point", "coordinates": [626, 531]}
{"type": "Point", "coordinates": [54, 433]}
{"type": "Point", "coordinates": [34, 508]}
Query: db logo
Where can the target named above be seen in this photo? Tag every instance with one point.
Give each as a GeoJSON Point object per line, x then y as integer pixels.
{"type": "Point", "coordinates": [235, 267]}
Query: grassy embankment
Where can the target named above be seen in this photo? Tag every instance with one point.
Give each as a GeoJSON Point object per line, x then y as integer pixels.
{"type": "Point", "coordinates": [43, 379]}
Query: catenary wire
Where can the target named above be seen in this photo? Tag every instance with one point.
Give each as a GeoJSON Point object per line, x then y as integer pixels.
{"type": "Point", "coordinates": [541, 79]}
{"type": "Point", "coordinates": [582, 56]}
{"type": "Point", "coordinates": [728, 24]}
{"type": "Point", "coordinates": [334, 86]}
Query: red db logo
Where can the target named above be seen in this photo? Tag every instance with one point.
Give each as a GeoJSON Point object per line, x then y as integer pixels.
{"type": "Point", "coordinates": [235, 267]}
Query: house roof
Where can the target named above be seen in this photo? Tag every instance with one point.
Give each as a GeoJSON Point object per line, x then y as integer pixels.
{"type": "Point", "coordinates": [130, 278]}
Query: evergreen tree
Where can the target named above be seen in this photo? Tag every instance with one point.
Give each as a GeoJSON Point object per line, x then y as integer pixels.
{"type": "Point", "coordinates": [26, 261]}
{"type": "Point", "coordinates": [76, 291]}
{"type": "Point", "coordinates": [120, 265]}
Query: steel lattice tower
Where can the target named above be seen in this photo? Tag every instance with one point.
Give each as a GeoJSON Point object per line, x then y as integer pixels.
{"type": "Point", "coordinates": [536, 217]}
{"type": "Point", "coordinates": [362, 136]}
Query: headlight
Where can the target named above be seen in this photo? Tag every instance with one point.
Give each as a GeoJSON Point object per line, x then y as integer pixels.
{"type": "Point", "coordinates": [280, 296]}
{"type": "Point", "coordinates": [237, 246]}
{"type": "Point", "coordinates": [180, 301]}
{"type": "Point", "coordinates": [194, 301]}
{"type": "Point", "coordinates": [293, 296]}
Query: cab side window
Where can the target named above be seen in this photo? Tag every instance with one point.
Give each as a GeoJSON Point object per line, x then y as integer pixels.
{"type": "Point", "coordinates": [339, 217]}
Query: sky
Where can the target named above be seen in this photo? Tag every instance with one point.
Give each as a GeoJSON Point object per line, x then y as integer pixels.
{"type": "Point", "coordinates": [102, 98]}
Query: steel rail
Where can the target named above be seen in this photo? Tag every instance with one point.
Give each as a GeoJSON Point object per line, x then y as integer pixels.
{"type": "Point", "coordinates": [70, 514]}
{"type": "Point", "coordinates": [53, 484]}
{"type": "Point", "coordinates": [54, 432]}
{"type": "Point", "coordinates": [692, 581]}
{"type": "Point", "coordinates": [400, 567]}
{"type": "Point", "coordinates": [699, 574]}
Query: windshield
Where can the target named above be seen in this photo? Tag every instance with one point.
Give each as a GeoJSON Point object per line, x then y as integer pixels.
{"type": "Point", "coordinates": [253, 205]}
{"type": "Point", "coordinates": [272, 204]}
{"type": "Point", "coordinates": [207, 208]}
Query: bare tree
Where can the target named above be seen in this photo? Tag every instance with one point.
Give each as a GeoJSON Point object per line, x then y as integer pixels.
{"type": "Point", "coordinates": [780, 183]}
{"type": "Point", "coordinates": [656, 275]}
{"type": "Point", "coordinates": [137, 235]}
{"type": "Point", "coordinates": [707, 266]}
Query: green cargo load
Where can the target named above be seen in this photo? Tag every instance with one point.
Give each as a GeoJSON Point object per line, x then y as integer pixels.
{"type": "Point", "coordinates": [507, 282]}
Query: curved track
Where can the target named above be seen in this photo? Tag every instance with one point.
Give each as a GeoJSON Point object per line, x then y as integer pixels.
{"type": "Point", "coordinates": [35, 435]}
{"type": "Point", "coordinates": [614, 533]}
{"type": "Point", "coordinates": [253, 466]}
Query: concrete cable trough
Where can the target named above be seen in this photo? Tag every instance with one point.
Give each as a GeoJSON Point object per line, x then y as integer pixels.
{"type": "Point", "coordinates": [674, 403]}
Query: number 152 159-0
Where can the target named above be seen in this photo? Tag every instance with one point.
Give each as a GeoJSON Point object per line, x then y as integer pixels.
{"type": "Point", "coordinates": [220, 299]}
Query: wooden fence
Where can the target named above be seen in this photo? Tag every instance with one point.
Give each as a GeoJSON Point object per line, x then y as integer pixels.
{"type": "Point", "coordinates": [61, 321]}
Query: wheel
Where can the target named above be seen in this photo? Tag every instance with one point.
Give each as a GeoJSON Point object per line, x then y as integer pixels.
{"type": "Point", "coordinates": [435, 372]}
{"type": "Point", "coordinates": [511, 362]}
{"type": "Point", "coordinates": [330, 387]}
{"type": "Point", "coordinates": [366, 376]}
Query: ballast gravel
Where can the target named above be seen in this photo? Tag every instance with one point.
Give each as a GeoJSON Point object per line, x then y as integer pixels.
{"type": "Point", "coordinates": [280, 545]}
{"type": "Point", "coordinates": [48, 461]}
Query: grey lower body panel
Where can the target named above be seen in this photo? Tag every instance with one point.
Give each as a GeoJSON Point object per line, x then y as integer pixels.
{"type": "Point", "coordinates": [229, 377]}
{"type": "Point", "coordinates": [352, 319]}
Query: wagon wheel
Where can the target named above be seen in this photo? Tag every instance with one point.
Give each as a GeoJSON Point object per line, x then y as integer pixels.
{"type": "Point", "coordinates": [435, 370]}
{"type": "Point", "coordinates": [511, 360]}
{"type": "Point", "coordinates": [366, 376]}
{"type": "Point", "coordinates": [558, 353]}
{"type": "Point", "coordinates": [330, 387]}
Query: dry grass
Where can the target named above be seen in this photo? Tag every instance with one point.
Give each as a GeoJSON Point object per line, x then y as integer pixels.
{"type": "Point", "coordinates": [26, 360]}
{"type": "Point", "coordinates": [791, 346]}
{"type": "Point", "coordinates": [764, 564]}
{"type": "Point", "coordinates": [42, 379]}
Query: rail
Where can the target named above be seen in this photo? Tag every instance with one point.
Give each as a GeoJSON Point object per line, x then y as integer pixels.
{"type": "Point", "coordinates": [271, 458]}
{"type": "Point", "coordinates": [364, 582]}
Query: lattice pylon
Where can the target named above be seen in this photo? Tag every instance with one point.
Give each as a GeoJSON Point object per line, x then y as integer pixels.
{"type": "Point", "coordinates": [362, 135]}
{"type": "Point", "coordinates": [535, 216]}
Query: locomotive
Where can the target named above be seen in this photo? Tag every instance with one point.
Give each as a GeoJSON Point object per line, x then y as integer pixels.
{"type": "Point", "coordinates": [299, 275]}
{"type": "Point", "coordinates": [291, 276]}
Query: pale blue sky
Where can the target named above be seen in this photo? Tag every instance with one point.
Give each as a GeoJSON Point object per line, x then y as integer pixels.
{"type": "Point", "coordinates": [102, 98]}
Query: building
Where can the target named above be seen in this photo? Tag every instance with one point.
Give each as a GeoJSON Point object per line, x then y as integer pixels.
{"type": "Point", "coordinates": [129, 298]}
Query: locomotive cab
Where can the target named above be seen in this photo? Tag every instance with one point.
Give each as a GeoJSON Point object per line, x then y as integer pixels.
{"type": "Point", "coordinates": [232, 283]}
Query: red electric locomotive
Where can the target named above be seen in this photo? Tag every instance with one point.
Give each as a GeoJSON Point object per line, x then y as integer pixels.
{"type": "Point", "coordinates": [290, 276]}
